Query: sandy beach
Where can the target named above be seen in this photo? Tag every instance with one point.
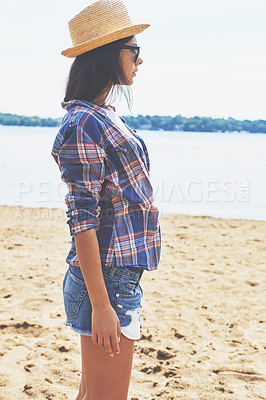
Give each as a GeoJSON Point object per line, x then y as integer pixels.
{"type": "Point", "coordinates": [203, 317]}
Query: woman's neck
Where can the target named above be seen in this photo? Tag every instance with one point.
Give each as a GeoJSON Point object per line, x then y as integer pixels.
{"type": "Point", "coordinates": [101, 99]}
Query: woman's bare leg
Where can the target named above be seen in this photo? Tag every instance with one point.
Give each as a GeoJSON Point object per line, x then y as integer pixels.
{"type": "Point", "coordinates": [105, 377]}
{"type": "Point", "coordinates": [82, 386]}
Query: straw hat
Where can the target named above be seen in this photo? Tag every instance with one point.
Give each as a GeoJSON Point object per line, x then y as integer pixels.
{"type": "Point", "coordinates": [100, 23]}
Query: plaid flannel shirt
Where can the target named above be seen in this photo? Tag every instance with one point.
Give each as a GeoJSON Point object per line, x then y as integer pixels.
{"type": "Point", "coordinates": [109, 189]}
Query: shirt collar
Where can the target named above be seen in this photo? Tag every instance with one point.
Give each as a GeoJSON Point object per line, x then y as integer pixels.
{"type": "Point", "coordinates": [67, 105]}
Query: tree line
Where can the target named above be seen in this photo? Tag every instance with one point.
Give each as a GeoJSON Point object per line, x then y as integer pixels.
{"type": "Point", "coordinates": [156, 123]}
{"type": "Point", "coordinates": [20, 120]}
{"type": "Point", "coordinates": [194, 124]}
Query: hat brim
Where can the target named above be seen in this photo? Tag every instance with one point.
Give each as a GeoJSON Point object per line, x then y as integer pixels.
{"type": "Point", "coordinates": [111, 37]}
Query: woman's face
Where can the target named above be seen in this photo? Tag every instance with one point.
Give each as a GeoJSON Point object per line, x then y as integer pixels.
{"type": "Point", "coordinates": [128, 61]}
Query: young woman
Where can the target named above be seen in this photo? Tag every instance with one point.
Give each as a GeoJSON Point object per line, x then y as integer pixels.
{"type": "Point", "coordinates": [112, 217]}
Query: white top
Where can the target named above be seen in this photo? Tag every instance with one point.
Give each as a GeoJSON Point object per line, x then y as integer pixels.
{"type": "Point", "coordinates": [118, 121]}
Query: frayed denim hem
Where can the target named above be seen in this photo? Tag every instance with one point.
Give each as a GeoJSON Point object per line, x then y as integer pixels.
{"type": "Point", "coordinates": [77, 330]}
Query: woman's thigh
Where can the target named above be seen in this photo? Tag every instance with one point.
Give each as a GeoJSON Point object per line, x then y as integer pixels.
{"type": "Point", "coordinates": [106, 378]}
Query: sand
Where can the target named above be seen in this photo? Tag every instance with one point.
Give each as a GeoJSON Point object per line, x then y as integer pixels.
{"type": "Point", "coordinates": [203, 317]}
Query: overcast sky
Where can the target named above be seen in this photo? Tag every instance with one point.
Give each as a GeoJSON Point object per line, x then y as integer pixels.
{"type": "Point", "coordinates": [201, 57]}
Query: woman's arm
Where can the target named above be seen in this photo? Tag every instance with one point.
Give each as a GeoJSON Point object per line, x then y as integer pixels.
{"type": "Point", "coordinates": [82, 166]}
{"type": "Point", "coordinates": [105, 323]}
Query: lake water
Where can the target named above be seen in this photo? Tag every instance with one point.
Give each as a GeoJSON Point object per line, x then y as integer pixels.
{"type": "Point", "coordinates": [214, 174]}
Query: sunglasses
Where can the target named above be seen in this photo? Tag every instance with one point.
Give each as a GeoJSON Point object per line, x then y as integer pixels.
{"type": "Point", "coordinates": [134, 50]}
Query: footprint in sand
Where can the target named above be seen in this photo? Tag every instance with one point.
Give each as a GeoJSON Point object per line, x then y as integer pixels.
{"type": "Point", "coordinates": [3, 380]}
{"type": "Point", "coordinates": [148, 337]}
{"type": "Point", "coordinates": [24, 328]}
{"type": "Point", "coordinates": [13, 373]}
{"type": "Point", "coordinates": [177, 334]}
{"type": "Point", "coordinates": [28, 366]}
{"type": "Point", "coordinates": [35, 304]}
{"type": "Point", "coordinates": [164, 355]}
{"type": "Point", "coordinates": [63, 349]}
{"type": "Point", "coordinates": [151, 370]}
{"type": "Point", "coordinates": [147, 350]}
{"type": "Point", "coordinates": [170, 373]}
{"type": "Point", "coordinates": [246, 375]}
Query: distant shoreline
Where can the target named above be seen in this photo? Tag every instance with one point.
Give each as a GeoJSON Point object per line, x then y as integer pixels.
{"type": "Point", "coordinates": [155, 123]}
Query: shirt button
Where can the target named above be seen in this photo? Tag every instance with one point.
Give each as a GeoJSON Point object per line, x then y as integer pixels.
{"type": "Point", "coordinates": [117, 294]}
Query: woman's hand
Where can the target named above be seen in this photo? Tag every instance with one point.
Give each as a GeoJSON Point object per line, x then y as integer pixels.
{"type": "Point", "coordinates": [105, 323]}
{"type": "Point", "coordinates": [106, 329]}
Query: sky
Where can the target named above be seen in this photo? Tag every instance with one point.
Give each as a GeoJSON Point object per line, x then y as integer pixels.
{"type": "Point", "coordinates": [201, 57]}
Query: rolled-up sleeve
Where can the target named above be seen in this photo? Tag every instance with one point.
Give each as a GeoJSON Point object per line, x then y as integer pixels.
{"type": "Point", "coordinates": [81, 162]}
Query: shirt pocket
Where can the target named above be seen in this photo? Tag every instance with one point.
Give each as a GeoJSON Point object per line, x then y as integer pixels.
{"type": "Point", "coordinates": [129, 172]}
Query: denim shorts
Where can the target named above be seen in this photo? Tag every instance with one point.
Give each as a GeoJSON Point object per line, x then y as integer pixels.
{"type": "Point", "coordinates": [124, 291]}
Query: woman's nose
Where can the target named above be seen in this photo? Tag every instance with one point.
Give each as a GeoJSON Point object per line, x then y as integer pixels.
{"type": "Point", "coordinates": [140, 61]}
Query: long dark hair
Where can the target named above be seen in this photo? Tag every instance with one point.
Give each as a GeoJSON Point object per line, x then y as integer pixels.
{"type": "Point", "coordinates": [97, 70]}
